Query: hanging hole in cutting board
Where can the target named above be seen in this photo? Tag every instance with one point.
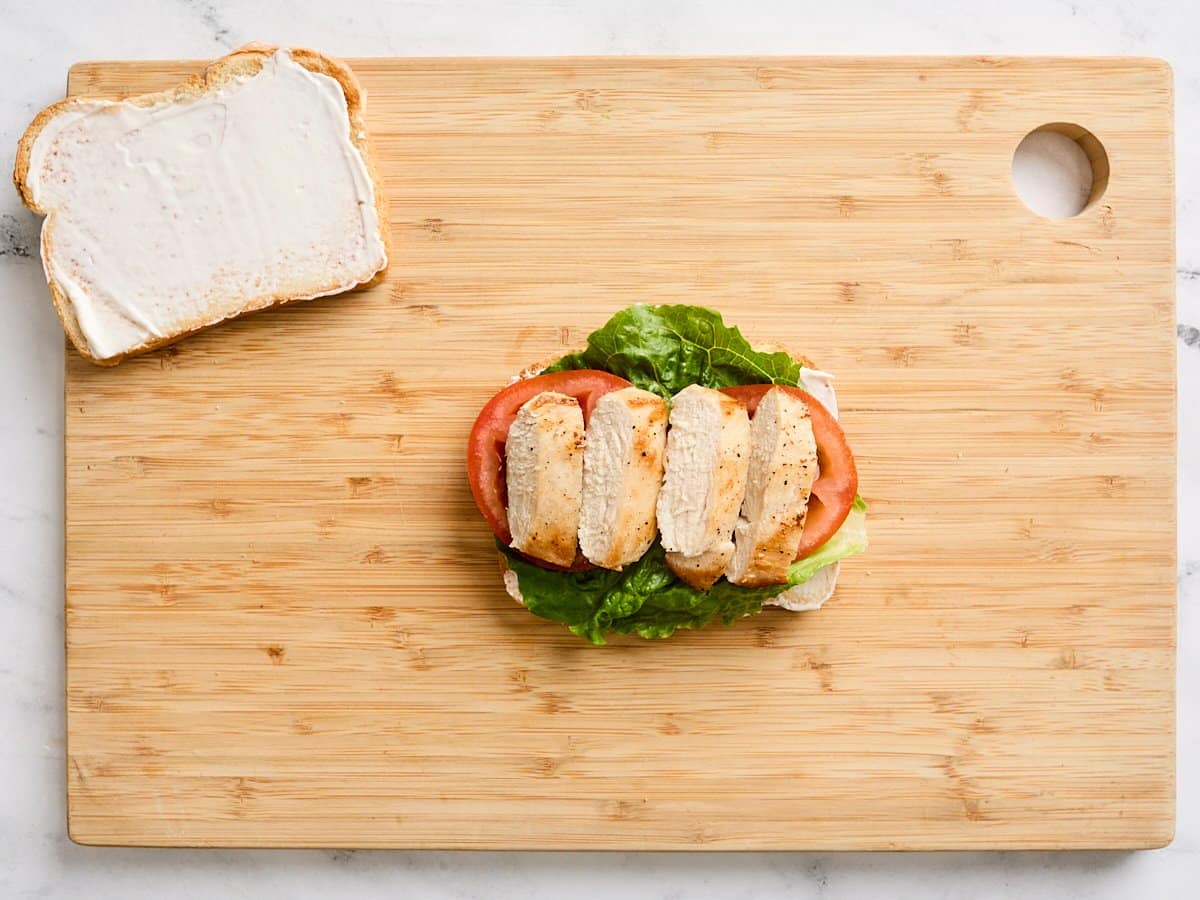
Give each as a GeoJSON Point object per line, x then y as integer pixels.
{"type": "Point", "coordinates": [1059, 170]}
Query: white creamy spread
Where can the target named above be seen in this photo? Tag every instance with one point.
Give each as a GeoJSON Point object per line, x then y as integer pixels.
{"type": "Point", "coordinates": [168, 217]}
{"type": "Point", "coordinates": [820, 385]}
{"type": "Point", "coordinates": [512, 585]}
{"type": "Point", "coordinates": [809, 595]}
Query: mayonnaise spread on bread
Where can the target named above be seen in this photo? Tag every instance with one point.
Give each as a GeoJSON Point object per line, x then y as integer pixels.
{"type": "Point", "coordinates": [167, 217]}
{"type": "Point", "coordinates": [820, 385]}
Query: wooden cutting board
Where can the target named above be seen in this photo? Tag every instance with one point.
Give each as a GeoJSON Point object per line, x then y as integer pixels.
{"type": "Point", "coordinates": [284, 621]}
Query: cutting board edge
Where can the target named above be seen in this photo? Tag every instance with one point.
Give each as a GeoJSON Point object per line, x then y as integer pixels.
{"type": "Point", "coordinates": [1153, 840]}
{"type": "Point", "coordinates": [79, 832]}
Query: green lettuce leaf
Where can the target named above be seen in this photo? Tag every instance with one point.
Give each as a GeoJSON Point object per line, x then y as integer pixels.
{"type": "Point", "coordinates": [664, 349]}
{"type": "Point", "coordinates": [848, 540]}
{"type": "Point", "coordinates": [648, 600]}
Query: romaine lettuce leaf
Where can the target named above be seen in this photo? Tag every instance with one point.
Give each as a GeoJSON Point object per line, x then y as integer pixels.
{"type": "Point", "coordinates": [664, 349]}
{"type": "Point", "coordinates": [848, 540]}
{"type": "Point", "coordinates": [648, 600]}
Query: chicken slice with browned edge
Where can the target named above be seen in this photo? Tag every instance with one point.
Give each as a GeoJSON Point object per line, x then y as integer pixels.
{"type": "Point", "coordinates": [783, 464]}
{"type": "Point", "coordinates": [622, 475]}
{"type": "Point", "coordinates": [708, 453]}
{"type": "Point", "coordinates": [544, 463]}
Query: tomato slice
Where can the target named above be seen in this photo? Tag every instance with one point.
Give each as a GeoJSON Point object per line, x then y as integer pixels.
{"type": "Point", "coordinates": [485, 446]}
{"type": "Point", "coordinates": [837, 477]}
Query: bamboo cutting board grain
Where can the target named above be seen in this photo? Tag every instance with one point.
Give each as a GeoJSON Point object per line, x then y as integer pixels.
{"type": "Point", "coordinates": [284, 620]}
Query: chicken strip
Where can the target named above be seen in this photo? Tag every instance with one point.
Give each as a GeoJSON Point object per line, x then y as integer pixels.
{"type": "Point", "coordinates": [622, 475]}
{"type": "Point", "coordinates": [544, 454]}
{"type": "Point", "coordinates": [708, 453]}
{"type": "Point", "coordinates": [783, 465]}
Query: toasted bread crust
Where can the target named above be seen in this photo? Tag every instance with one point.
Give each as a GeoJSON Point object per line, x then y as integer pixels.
{"type": "Point", "coordinates": [243, 62]}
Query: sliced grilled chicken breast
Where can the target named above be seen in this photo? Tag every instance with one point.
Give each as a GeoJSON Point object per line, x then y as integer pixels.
{"type": "Point", "coordinates": [783, 464]}
{"type": "Point", "coordinates": [708, 453]}
{"type": "Point", "coordinates": [544, 462]}
{"type": "Point", "coordinates": [622, 475]}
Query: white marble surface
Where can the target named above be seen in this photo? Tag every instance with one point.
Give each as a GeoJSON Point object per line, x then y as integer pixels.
{"type": "Point", "coordinates": [39, 40]}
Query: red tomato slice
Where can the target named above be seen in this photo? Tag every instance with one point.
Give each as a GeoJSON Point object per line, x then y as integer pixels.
{"type": "Point", "coordinates": [837, 478]}
{"type": "Point", "coordinates": [485, 446]}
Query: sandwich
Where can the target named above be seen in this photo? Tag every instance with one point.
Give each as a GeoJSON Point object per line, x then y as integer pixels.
{"type": "Point", "coordinates": [249, 186]}
{"type": "Point", "coordinates": [668, 475]}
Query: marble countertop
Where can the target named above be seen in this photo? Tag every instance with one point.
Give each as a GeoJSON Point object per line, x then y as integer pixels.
{"type": "Point", "coordinates": [37, 44]}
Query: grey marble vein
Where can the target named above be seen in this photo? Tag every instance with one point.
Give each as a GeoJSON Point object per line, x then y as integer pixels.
{"type": "Point", "coordinates": [212, 19]}
{"type": "Point", "coordinates": [18, 239]}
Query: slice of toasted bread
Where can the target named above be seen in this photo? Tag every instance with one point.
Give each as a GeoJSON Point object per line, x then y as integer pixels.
{"type": "Point", "coordinates": [246, 295]}
{"type": "Point", "coordinates": [703, 571]}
